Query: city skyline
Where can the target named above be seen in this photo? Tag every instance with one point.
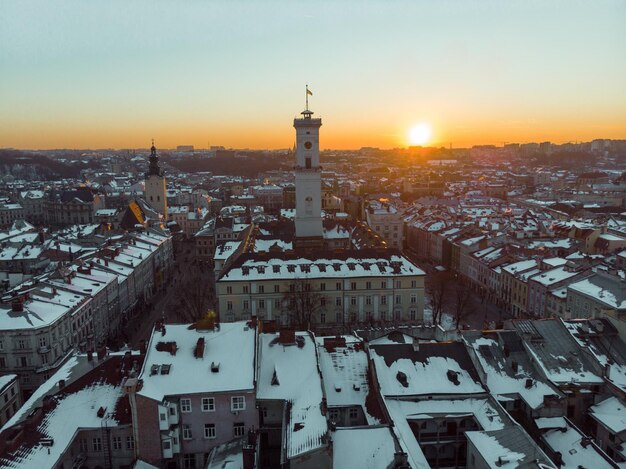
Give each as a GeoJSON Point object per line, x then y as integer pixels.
{"type": "Point", "coordinates": [94, 76]}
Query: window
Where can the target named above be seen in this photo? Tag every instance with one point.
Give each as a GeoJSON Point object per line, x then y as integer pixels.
{"type": "Point", "coordinates": [163, 417]}
{"type": "Point", "coordinates": [209, 430]}
{"type": "Point", "coordinates": [229, 290]}
{"type": "Point", "coordinates": [208, 404]}
{"type": "Point", "coordinates": [1, 345]}
{"type": "Point", "coordinates": [398, 299]}
{"type": "Point", "coordinates": [353, 300]}
{"type": "Point", "coordinates": [322, 301]}
{"type": "Point", "coordinates": [189, 461]}
{"type": "Point", "coordinates": [322, 318]}
{"type": "Point", "coordinates": [412, 315]}
{"type": "Point", "coordinates": [21, 344]}
{"type": "Point", "coordinates": [42, 341]}
{"type": "Point", "coordinates": [368, 300]}
{"type": "Point", "coordinates": [246, 304]}
{"type": "Point", "coordinates": [383, 300]}
{"type": "Point", "coordinates": [261, 289]}
{"type": "Point", "coordinates": [229, 305]}
{"type": "Point", "coordinates": [352, 285]}
{"type": "Point", "coordinates": [413, 299]}
{"type": "Point", "coordinates": [322, 286]}
{"type": "Point", "coordinates": [186, 432]}
{"type": "Point", "coordinates": [338, 301]}
{"type": "Point", "coordinates": [97, 444]}
{"type": "Point", "coordinates": [83, 445]}
{"type": "Point", "coordinates": [117, 442]}
{"type": "Point", "coordinates": [276, 304]}
{"type": "Point", "coordinates": [237, 403]}
{"type": "Point", "coordinates": [338, 286]}
{"type": "Point", "coordinates": [276, 288]}
{"type": "Point", "coordinates": [166, 444]}
{"type": "Point", "coordinates": [238, 429]}
{"type": "Point", "coordinates": [261, 304]}
{"type": "Point", "coordinates": [185, 405]}
{"type": "Point", "coordinates": [398, 283]}
{"type": "Point", "coordinates": [338, 316]}
{"type": "Point", "coordinates": [130, 442]}
{"type": "Point", "coordinates": [413, 283]}
{"type": "Point", "coordinates": [333, 414]}
{"type": "Point", "coordinates": [354, 413]}
{"type": "Point", "coordinates": [383, 285]}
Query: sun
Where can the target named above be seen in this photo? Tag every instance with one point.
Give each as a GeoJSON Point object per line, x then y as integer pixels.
{"type": "Point", "coordinates": [420, 133]}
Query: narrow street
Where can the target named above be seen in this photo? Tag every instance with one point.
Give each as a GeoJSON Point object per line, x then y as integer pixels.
{"type": "Point", "coordinates": [167, 304]}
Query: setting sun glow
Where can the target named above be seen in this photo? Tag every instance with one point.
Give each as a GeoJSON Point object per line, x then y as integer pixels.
{"type": "Point", "coordinates": [420, 134]}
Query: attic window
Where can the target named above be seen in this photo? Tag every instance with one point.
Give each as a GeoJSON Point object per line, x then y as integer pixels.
{"type": "Point", "coordinates": [291, 268]}
{"type": "Point", "coordinates": [275, 381]}
{"type": "Point", "coordinates": [165, 369]}
{"type": "Point", "coordinates": [351, 265]}
{"type": "Point", "coordinates": [154, 370]}
{"type": "Point", "coordinates": [215, 367]}
{"type": "Point", "coordinates": [261, 269]}
{"type": "Point", "coordinates": [322, 267]}
{"type": "Point", "coordinates": [245, 270]}
{"type": "Point", "coordinates": [402, 379]}
{"type": "Point", "coordinates": [305, 268]}
{"type": "Point", "coordinates": [276, 268]}
{"type": "Point", "coordinates": [337, 267]}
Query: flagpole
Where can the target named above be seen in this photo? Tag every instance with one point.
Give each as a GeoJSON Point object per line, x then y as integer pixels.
{"type": "Point", "coordinates": [307, 97]}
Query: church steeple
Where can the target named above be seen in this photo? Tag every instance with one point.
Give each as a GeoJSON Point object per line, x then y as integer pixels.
{"type": "Point", "coordinates": [154, 168]}
{"type": "Point", "coordinates": [155, 191]}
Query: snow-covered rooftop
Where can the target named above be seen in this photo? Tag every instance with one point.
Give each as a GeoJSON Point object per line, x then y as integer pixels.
{"type": "Point", "coordinates": [363, 447]}
{"type": "Point", "coordinates": [344, 369]}
{"type": "Point", "coordinates": [231, 346]}
{"type": "Point", "coordinates": [436, 368]}
{"type": "Point", "coordinates": [289, 372]}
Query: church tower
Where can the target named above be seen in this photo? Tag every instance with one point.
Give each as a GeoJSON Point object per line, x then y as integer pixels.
{"type": "Point", "coordinates": [155, 187]}
{"type": "Point", "coordinates": [309, 232]}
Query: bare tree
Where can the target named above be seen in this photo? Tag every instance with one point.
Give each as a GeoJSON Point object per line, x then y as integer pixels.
{"type": "Point", "coordinates": [462, 295]}
{"type": "Point", "coordinates": [302, 303]}
{"type": "Point", "coordinates": [194, 296]}
{"type": "Point", "coordinates": [437, 288]}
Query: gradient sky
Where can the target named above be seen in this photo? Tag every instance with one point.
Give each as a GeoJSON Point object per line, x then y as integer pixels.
{"type": "Point", "coordinates": [96, 74]}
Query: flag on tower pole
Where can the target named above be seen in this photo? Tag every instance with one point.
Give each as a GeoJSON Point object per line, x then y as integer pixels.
{"type": "Point", "coordinates": [309, 92]}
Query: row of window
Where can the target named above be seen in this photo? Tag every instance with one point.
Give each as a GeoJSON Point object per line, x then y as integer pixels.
{"type": "Point", "coordinates": [97, 445]}
{"type": "Point", "coordinates": [237, 403]}
{"type": "Point", "coordinates": [338, 287]}
{"type": "Point", "coordinates": [210, 431]}
{"type": "Point", "coordinates": [278, 303]}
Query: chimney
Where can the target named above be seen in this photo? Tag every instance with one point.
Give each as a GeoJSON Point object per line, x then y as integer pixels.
{"type": "Point", "coordinates": [61, 384]}
{"type": "Point", "coordinates": [89, 355]}
{"type": "Point", "coordinates": [249, 456]}
{"type": "Point", "coordinates": [287, 336]}
{"type": "Point", "coordinates": [400, 459]}
{"type": "Point", "coordinates": [17, 305]}
{"type": "Point", "coordinates": [416, 345]}
{"type": "Point", "coordinates": [199, 351]}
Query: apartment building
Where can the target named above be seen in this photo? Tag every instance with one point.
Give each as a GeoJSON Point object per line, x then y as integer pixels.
{"type": "Point", "coordinates": [347, 288]}
{"type": "Point", "coordinates": [195, 392]}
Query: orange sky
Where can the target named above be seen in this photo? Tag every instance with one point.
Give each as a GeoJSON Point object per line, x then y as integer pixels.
{"type": "Point", "coordinates": [90, 75]}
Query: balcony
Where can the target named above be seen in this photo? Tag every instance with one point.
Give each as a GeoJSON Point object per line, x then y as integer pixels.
{"type": "Point", "coordinates": [43, 349]}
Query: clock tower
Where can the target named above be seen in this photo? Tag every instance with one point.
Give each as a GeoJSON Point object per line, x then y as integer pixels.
{"type": "Point", "coordinates": [155, 186]}
{"type": "Point", "coordinates": [309, 232]}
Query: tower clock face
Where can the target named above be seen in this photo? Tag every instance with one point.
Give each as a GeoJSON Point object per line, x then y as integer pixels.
{"type": "Point", "coordinates": [308, 145]}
